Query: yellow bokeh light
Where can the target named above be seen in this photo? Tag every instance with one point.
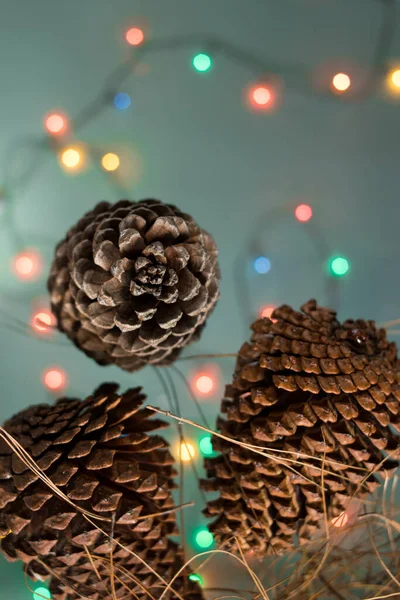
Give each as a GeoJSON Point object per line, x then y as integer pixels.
{"type": "Point", "coordinates": [393, 81]}
{"type": "Point", "coordinates": [341, 82]}
{"type": "Point", "coordinates": [395, 77]}
{"type": "Point", "coordinates": [186, 451]}
{"type": "Point", "coordinates": [110, 161]}
{"type": "Point", "coordinates": [71, 158]}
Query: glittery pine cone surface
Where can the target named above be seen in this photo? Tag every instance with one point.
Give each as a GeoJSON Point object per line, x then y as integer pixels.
{"type": "Point", "coordinates": [103, 456]}
{"type": "Point", "coordinates": [134, 282]}
{"type": "Point", "coordinates": [316, 389]}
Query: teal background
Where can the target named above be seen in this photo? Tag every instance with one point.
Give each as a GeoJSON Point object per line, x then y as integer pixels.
{"type": "Point", "coordinates": [189, 139]}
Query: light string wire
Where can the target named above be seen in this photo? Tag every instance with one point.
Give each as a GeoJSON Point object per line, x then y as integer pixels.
{"type": "Point", "coordinates": [296, 76]}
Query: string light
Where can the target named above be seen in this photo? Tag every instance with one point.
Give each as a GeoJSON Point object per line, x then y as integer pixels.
{"type": "Point", "coordinates": [134, 36]}
{"type": "Point", "coordinates": [71, 158]}
{"type": "Point", "coordinates": [205, 445]}
{"type": "Point", "coordinates": [339, 266]}
{"type": "Point", "coordinates": [204, 384]}
{"type": "Point", "coordinates": [54, 379]}
{"type": "Point", "coordinates": [110, 161]}
{"type": "Point", "coordinates": [186, 451]}
{"type": "Point", "coordinates": [341, 82]}
{"type": "Point", "coordinates": [303, 213]}
{"type": "Point", "coordinates": [43, 321]}
{"type": "Point", "coordinates": [202, 62]}
{"type": "Point", "coordinates": [40, 593]}
{"type": "Point", "coordinates": [266, 312]}
{"type": "Point", "coordinates": [27, 265]}
{"type": "Point", "coordinates": [196, 578]}
{"type": "Point", "coordinates": [262, 265]}
{"type": "Point", "coordinates": [341, 520]}
{"type": "Point", "coordinates": [55, 123]}
{"type": "Point", "coordinates": [122, 100]}
{"type": "Point", "coordinates": [204, 538]}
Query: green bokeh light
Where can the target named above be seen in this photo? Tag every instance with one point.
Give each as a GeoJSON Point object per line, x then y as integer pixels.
{"type": "Point", "coordinates": [339, 266]}
{"type": "Point", "coordinates": [205, 446]}
{"type": "Point", "coordinates": [40, 593]}
{"type": "Point", "coordinates": [197, 578]}
{"type": "Point", "coordinates": [204, 538]}
{"type": "Point", "coordinates": [202, 62]}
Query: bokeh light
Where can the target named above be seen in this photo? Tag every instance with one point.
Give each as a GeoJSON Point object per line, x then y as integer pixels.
{"type": "Point", "coordinates": [393, 81]}
{"type": "Point", "coordinates": [134, 36]}
{"type": "Point", "coordinates": [122, 100]}
{"type": "Point", "coordinates": [186, 451]}
{"type": "Point", "coordinates": [202, 62]}
{"type": "Point", "coordinates": [303, 212]}
{"type": "Point", "coordinates": [266, 311]}
{"type": "Point", "coordinates": [339, 266]}
{"type": "Point", "coordinates": [55, 123]}
{"type": "Point", "coordinates": [71, 158]}
{"type": "Point", "coordinates": [40, 593]}
{"type": "Point", "coordinates": [205, 445]}
{"type": "Point", "coordinates": [110, 161]}
{"type": "Point", "coordinates": [262, 265]}
{"type": "Point", "coordinates": [43, 321]}
{"type": "Point", "coordinates": [196, 578]}
{"type": "Point", "coordinates": [261, 96]}
{"type": "Point", "coordinates": [204, 538]}
{"type": "Point", "coordinates": [341, 520]}
{"type": "Point", "coordinates": [27, 265]}
{"type": "Point", "coordinates": [341, 82]}
{"type": "Point", "coordinates": [54, 379]}
{"type": "Point", "coordinates": [204, 384]}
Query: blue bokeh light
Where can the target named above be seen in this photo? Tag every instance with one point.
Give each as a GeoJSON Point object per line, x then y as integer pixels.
{"type": "Point", "coordinates": [262, 265]}
{"type": "Point", "coordinates": [122, 100]}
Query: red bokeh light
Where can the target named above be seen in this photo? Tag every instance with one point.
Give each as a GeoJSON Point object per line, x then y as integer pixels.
{"type": "Point", "coordinates": [303, 213]}
{"type": "Point", "coordinates": [266, 311]}
{"type": "Point", "coordinates": [55, 123]}
{"type": "Point", "coordinates": [204, 384]}
{"type": "Point", "coordinates": [134, 36]}
{"type": "Point", "coordinates": [27, 264]}
{"type": "Point", "coordinates": [54, 379]}
{"type": "Point", "coordinates": [43, 321]}
{"type": "Point", "coordinates": [261, 96]}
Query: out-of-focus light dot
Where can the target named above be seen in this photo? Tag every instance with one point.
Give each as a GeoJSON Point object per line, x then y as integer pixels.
{"type": "Point", "coordinates": [122, 100]}
{"type": "Point", "coordinates": [26, 265]}
{"type": "Point", "coordinates": [395, 78]}
{"type": "Point", "coordinates": [110, 161]}
{"type": "Point", "coordinates": [303, 213]}
{"type": "Point", "coordinates": [339, 266]}
{"type": "Point", "coordinates": [204, 538]}
{"type": "Point", "coordinates": [205, 446]}
{"type": "Point", "coordinates": [341, 82]}
{"type": "Point", "coordinates": [261, 96]}
{"type": "Point", "coordinates": [41, 593]}
{"type": "Point", "coordinates": [71, 158]}
{"type": "Point", "coordinates": [341, 520]}
{"type": "Point", "coordinates": [55, 123]}
{"type": "Point", "coordinates": [202, 62]}
{"type": "Point", "coordinates": [266, 312]}
{"type": "Point", "coordinates": [186, 451]}
{"type": "Point", "coordinates": [43, 321]}
{"type": "Point", "coordinates": [134, 36]}
{"type": "Point", "coordinates": [204, 384]}
{"type": "Point", "coordinates": [196, 578]}
{"type": "Point", "coordinates": [54, 379]}
{"type": "Point", "coordinates": [262, 265]}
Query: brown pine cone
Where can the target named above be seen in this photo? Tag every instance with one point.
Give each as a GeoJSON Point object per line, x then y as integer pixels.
{"type": "Point", "coordinates": [305, 384]}
{"type": "Point", "coordinates": [102, 455]}
{"type": "Point", "coordinates": [133, 283]}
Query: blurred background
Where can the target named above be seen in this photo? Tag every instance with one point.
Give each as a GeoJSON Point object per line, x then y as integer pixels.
{"type": "Point", "coordinates": [275, 124]}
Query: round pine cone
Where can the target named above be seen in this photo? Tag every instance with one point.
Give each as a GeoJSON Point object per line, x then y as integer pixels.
{"type": "Point", "coordinates": [316, 389]}
{"type": "Point", "coordinates": [101, 455]}
{"type": "Point", "coordinates": [133, 283]}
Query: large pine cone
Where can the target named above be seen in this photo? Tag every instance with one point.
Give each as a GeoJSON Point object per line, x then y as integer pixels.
{"type": "Point", "coordinates": [101, 455]}
{"type": "Point", "coordinates": [308, 385]}
{"type": "Point", "coordinates": [134, 282]}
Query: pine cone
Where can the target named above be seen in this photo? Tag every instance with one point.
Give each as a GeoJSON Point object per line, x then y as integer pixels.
{"type": "Point", "coordinates": [133, 283]}
{"type": "Point", "coordinates": [101, 455]}
{"type": "Point", "coordinates": [307, 385]}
